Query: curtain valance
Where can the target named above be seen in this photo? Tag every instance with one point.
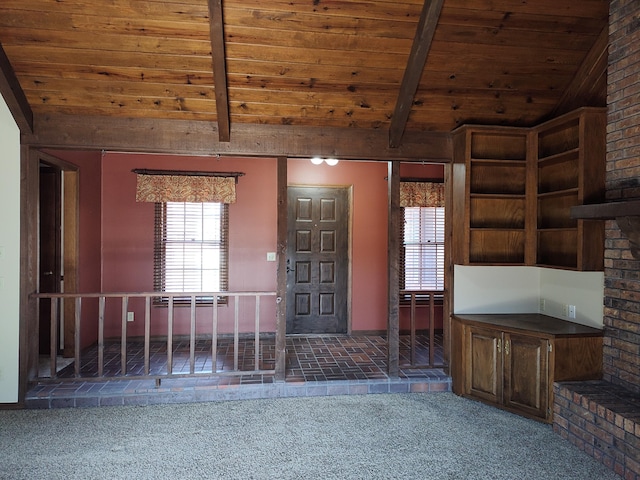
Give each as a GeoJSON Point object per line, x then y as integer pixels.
{"type": "Point", "coordinates": [421, 194]}
{"type": "Point", "coordinates": [185, 188]}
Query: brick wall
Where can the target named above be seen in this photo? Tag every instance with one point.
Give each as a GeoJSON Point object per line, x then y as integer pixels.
{"type": "Point", "coordinates": [622, 270]}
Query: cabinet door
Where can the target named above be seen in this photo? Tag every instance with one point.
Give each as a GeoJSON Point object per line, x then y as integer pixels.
{"type": "Point", "coordinates": [484, 369]}
{"type": "Point", "coordinates": [526, 374]}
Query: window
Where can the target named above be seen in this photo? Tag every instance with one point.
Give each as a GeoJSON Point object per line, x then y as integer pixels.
{"type": "Point", "coordinates": [422, 255]}
{"type": "Point", "coordinates": [191, 248]}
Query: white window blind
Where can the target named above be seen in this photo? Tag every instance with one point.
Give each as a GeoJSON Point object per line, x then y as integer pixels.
{"type": "Point", "coordinates": [191, 247]}
{"type": "Point", "coordinates": [422, 256]}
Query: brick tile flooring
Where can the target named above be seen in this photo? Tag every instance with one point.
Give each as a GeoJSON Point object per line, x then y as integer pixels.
{"type": "Point", "coordinates": [317, 365]}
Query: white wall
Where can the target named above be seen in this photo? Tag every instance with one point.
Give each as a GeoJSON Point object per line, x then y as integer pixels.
{"type": "Point", "coordinates": [520, 289]}
{"type": "Point", "coordinates": [9, 255]}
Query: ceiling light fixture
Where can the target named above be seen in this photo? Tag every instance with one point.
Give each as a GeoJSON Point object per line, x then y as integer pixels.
{"type": "Point", "coordinates": [329, 161]}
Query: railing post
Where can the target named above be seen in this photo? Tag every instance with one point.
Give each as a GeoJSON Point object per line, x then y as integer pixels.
{"type": "Point", "coordinates": [76, 347]}
{"type": "Point", "coordinates": [413, 329]}
{"type": "Point", "coordinates": [192, 336]}
{"type": "Point", "coordinates": [147, 333]}
{"type": "Point", "coordinates": [170, 336]}
{"type": "Point", "coordinates": [256, 342]}
{"type": "Point", "coordinates": [432, 330]}
{"type": "Point", "coordinates": [123, 339]}
{"type": "Point", "coordinates": [101, 306]}
{"type": "Point", "coordinates": [53, 340]}
{"type": "Point", "coordinates": [236, 333]}
{"type": "Point", "coordinates": [214, 336]}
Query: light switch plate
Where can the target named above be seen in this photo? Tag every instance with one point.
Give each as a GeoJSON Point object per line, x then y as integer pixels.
{"type": "Point", "coordinates": [271, 256]}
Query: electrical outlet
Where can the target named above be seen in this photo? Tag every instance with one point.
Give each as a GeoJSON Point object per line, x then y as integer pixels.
{"type": "Point", "coordinates": [130, 317]}
{"type": "Point", "coordinates": [271, 256]}
{"type": "Point", "coordinates": [565, 310]}
{"type": "Point", "coordinates": [542, 304]}
{"type": "Point", "coordinates": [572, 311]}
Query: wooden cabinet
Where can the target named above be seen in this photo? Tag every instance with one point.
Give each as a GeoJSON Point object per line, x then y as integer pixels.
{"type": "Point", "coordinates": [512, 360]}
{"type": "Point", "coordinates": [513, 189]}
{"type": "Point", "coordinates": [570, 171]}
{"type": "Point", "coordinates": [493, 181]}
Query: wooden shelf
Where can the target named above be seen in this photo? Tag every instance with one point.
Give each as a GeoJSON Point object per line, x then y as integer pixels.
{"type": "Point", "coordinates": [606, 211]}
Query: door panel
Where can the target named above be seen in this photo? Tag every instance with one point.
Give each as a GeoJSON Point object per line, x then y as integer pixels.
{"type": "Point", "coordinates": [317, 260]}
{"type": "Point", "coordinates": [526, 374]}
{"type": "Point", "coordinates": [485, 371]}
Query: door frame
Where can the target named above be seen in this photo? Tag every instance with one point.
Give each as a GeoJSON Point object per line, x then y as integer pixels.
{"type": "Point", "coordinates": [349, 191]}
{"type": "Point", "coordinates": [70, 194]}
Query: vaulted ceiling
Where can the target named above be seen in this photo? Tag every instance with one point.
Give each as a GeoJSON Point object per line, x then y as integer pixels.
{"type": "Point", "coordinates": [399, 68]}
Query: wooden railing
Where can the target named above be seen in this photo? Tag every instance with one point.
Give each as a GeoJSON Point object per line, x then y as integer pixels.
{"type": "Point", "coordinates": [428, 299]}
{"type": "Point", "coordinates": [171, 302]}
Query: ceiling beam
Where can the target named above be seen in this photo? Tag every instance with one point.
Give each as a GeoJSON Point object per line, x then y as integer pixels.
{"type": "Point", "coordinates": [216, 31]}
{"type": "Point", "coordinates": [14, 96]}
{"type": "Point", "coordinates": [592, 68]}
{"type": "Point", "coordinates": [415, 66]}
{"type": "Point", "coordinates": [182, 137]}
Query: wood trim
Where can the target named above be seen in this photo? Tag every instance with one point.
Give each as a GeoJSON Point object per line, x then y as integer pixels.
{"type": "Point", "coordinates": [28, 269]}
{"type": "Point", "coordinates": [70, 246]}
{"type": "Point", "coordinates": [415, 66]}
{"type": "Point", "coordinates": [216, 32]}
{"type": "Point", "coordinates": [58, 162]}
{"type": "Point", "coordinates": [593, 67]}
{"type": "Point", "coordinates": [393, 255]}
{"type": "Point", "coordinates": [198, 138]}
{"type": "Point", "coordinates": [281, 274]}
{"type": "Point", "coordinates": [13, 94]}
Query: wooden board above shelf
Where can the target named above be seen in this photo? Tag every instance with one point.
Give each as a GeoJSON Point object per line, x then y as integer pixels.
{"type": "Point", "coordinates": [606, 211]}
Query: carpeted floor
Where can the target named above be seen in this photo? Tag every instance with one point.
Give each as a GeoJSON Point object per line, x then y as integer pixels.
{"type": "Point", "coordinates": [404, 436]}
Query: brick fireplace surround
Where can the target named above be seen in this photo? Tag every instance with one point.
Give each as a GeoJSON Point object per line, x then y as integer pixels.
{"type": "Point", "coordinates": [603, 417]}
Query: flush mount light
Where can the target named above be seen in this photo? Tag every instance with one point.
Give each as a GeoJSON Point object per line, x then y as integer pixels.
{"type": "Point", "coordinates": [329, 161]}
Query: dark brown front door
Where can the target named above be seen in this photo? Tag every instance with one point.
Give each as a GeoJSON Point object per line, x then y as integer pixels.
{"type": "Point", "coordinates": [50, 247]}
{"type": "Point", "coordinates": [317, 260]}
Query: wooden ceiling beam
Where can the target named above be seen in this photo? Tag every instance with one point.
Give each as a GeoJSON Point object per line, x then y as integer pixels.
{"type": "Point", "coordinates": [592, 68]}
{"type": "Point", "coordinates": [415, 66]}
{"type": "Point", "coordinates": [180, 137]}
{"type": "Point", "coordinates": [216, 30]}
{"type": "Point", "coordinates": [14, 96]}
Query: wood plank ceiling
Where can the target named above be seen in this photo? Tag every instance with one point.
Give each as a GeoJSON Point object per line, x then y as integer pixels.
{"type": "Point", "coordinates": [346, 64]}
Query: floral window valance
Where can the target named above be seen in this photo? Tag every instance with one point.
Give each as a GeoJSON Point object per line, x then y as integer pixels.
{"type": "Point", "coordinates": [185, 187]}
{"type": "Point", "coordinates": [421, 194]}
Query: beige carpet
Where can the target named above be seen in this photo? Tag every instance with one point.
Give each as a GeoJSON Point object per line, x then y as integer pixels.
{"type": "Point", "coordinates": [404, 436]}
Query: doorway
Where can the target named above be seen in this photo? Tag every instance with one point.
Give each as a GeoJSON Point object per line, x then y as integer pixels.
{"type": "Point", "coordinates": [318, 260]}
{"type": "Point", "coordinates": [57, 250]}
{"type": "Point", "coordinates": [50, 251]}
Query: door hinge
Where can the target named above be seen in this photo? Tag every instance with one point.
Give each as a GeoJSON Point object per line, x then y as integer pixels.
{"type": "Point", "coordinates": [550, 347]}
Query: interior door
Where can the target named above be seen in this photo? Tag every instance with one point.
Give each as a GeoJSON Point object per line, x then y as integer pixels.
{"type": "Point", "coordinates": [50, 247]}
{"type": "Point", "coordinates": [317, 260]}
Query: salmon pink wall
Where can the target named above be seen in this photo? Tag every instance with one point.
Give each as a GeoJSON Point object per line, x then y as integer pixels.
{"type": "Point", "coordinates": [116, 239]}
{"type": "Point", "coordinates": [369, 232]}
{"type": "Point", "coordinates": [127, 240]}
{"type": "Point", "coordinates": [89, 238]}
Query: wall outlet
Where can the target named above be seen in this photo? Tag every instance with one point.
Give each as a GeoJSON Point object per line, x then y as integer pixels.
{"type": "Point", "coordinates": [130, 316]}
{"type": "Point", "coordinates": [572, 311]}
{"type": "Point", "coordinates": [271, 256]}
{"type": "Point", "coordinates": [565, 310]}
